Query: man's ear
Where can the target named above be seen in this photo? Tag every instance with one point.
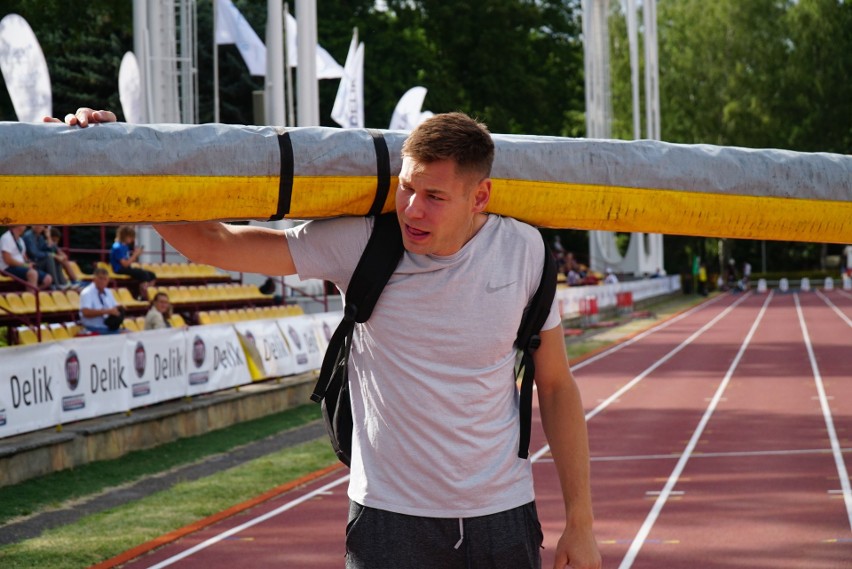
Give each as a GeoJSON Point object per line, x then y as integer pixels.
{"type": "Point", "coordinates": [481, 195]}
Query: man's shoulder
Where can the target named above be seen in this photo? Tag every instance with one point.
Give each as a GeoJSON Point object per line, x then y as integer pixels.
{"type": "Point", "coordinates": [87, 290]}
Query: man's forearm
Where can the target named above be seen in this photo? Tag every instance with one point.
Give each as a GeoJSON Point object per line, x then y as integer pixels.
{"type": "Point", "coordinates": [564, 425]}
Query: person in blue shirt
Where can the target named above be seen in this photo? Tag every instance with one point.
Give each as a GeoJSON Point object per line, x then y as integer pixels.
{"type": "Point", "coordinates": [122, 257]}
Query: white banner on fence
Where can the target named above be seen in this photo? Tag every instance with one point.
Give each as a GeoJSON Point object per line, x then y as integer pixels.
{"type": "Point", "coordinates": [55, 383]}
{"type": "Point", "coordinates": [96, 378]}
{"type": "Point", "coordinates": [264, 343]}
{"type": "Point", "coordinates": [216, 359]}
{"type": "Point", "coordinates": [30, 389]}
{"type": "Point", "coordinates": [298, 332]}
{"type": "Point", "coordinates": [157, 362]}
{"type": "Point", "coordinates": [325, 324]}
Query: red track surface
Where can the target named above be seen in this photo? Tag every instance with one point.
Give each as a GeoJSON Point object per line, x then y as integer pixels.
{"type": "Point", "coordinates": [718, 441]}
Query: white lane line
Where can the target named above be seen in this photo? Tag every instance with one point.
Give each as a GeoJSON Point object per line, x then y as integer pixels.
{"type": "Point", "coordinates": [643, 532]}
{"type": "Point", "coordinates": [834, 308]}
{"type": "Point", "coordinates": [653, 367]}
{"type": "Point", "coordinates": [737, 454]}
{"type": "Point", "coordinates": [646, 333]}
{"type": "Point", "coordinates": [254, 521]}
{"type": "Point", "coordinates": [632, 383]}
{"type": "Point", "coordinates": [826, 413]}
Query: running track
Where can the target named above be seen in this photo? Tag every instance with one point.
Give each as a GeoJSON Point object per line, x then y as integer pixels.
{"type": "Point", "coordinates": [720, 439]}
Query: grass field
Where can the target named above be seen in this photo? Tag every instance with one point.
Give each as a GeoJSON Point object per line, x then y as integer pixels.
{"type": "Point", "coordinates": [100, 536]}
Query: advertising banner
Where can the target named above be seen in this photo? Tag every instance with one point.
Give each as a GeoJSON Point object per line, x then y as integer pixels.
{"type": "Point", "coordinates": [298, 332]}
{"type": "Point", "coordinates": [325, 323]}
{"type": "Point", "coordinates": [266, 348]}
{"type": "Point", "coordinates": [215, 359]}
{"type": "Point", "coordinates": [95, 379]}
{"type": "Point", "coordinates": [30, 390]}
{"type": "Point", "coordinates": [157, 366]}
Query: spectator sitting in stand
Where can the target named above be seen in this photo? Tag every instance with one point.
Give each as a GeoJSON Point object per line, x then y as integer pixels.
{"type": "Point", "coordinates": [14, 259]}
{"type": "Point", "coordinates": [99, 311]}
{"type": "Point", "coordinates": [610, 277]}
{"type": "Point", "coordinates": [122, 258]}
{"type": "Point", "coordinates": [42, 249]}
{"type": "Point", "coordinates": [160, 312]}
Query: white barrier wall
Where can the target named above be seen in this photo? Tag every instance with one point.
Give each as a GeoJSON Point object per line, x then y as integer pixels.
{"type": "Point", "coordinates": [569, 297]}
{"type": "Point", "coordinates": [55, 383]}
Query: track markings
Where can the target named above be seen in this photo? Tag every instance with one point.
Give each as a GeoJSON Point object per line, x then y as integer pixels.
{"type": "Point", "coordinates": [834, 308]}
{"type": "Point", "coordinates": [650, 520]}
{"type": "Point", "coordinates": [826, 413]}
{"type": "Point", "coordinates": [252, 522]}
{"type": "Point", "coordinates": [633, 382]}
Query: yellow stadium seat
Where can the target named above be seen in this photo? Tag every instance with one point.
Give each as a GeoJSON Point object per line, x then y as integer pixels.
{"type": "Point", "coordinates": [73, 298]}
{"type": "Point", "coordinates": [45, 302]}
{"type": "Point", "coordinates": [60, 299]}
{"type": "Point", "coordinates": [4, 305]}
{"type": "Point", "coordinates": [112, 274]}
{"type": "Point", "coordinates": [156, 268]}
{"type": "Point", "coordinates": [73, 328]}
{"type": "Point", "coordinates": [28, 299]}
{"type": "Point", "coordinates": [152, 292]}
{"type": "Point", "coordinates": [130, 324]}
{"type": "Point", "coordinates": [59, 332]}
{"type": "Point", "coordinates": [177, 321]}
{"type": "Point", "coordinates": [16, 305]}
{"type": "Point", "coordinates": [125, 298]}
{"type": "Point", "coordinates": [204, 318]}
{"type": "Point", "coordinates": [80, 274]}
{"type": "Point", "coordinates": [26, 336]}
{"type": "Point", "coordinates": [46, 333]}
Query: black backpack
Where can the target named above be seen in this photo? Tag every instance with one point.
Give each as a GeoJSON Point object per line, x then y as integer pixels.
{"type": "Point", "coordinates": [375, 267]}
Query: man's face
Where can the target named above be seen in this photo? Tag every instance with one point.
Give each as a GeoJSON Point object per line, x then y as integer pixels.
{"type": "Point", "coordinates": [101, 281]}
{"type": "Point", "coordinates": [437, 207]}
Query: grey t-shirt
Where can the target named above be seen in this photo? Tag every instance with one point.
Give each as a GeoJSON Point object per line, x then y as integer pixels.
{"type": "Point", "coordinates": [432, 380]}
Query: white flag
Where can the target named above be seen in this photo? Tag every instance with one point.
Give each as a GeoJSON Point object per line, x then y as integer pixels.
{"type": "Point", "coordinates": [348, 110]}
{"type": "Point", "coordinates": [130, 89]}
{"type": "Point", "coordinates": [327, 67]}
{"type": "Point", "coordinates": [24, 70]}
{"type": "Point", "coordinates": [232, 27]}
{"type": "Point", "coordinates": [407, 113]}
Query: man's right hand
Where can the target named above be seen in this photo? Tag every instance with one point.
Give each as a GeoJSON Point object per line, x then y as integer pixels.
{"type": "Point", "coordinates": [83, 117]}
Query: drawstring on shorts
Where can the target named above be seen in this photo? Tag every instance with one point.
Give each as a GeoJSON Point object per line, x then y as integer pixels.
{"type": "Point", "coordinates": [461, 534]}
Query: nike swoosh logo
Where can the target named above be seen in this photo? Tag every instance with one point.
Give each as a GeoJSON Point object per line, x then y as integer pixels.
{"type": "Point", "coordinates": [491, 289]}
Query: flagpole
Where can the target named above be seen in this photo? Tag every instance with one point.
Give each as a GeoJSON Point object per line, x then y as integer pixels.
{"type": "Point", "coordinates": [288, 72]}
{"type": "Point", "coordinates": [215, 68]}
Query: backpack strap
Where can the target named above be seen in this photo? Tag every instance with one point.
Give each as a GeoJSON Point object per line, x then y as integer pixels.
{"type": "Point", "coordinates": [375, 267]}
{"type": "Point", "coordinates": [528, 340]}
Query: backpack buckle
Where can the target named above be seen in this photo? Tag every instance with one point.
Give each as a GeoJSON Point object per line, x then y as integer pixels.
{"type": "Point", "coordinates": [534, 343]}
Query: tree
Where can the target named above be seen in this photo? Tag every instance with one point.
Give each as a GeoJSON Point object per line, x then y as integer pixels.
{"type": "Point", "coordinates": [83, 58]}
{"type": "Point", "coordinates": [763, 73]}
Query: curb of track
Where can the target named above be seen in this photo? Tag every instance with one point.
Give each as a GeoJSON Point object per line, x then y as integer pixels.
{"type": "Point", "coordinates": [171, 537]}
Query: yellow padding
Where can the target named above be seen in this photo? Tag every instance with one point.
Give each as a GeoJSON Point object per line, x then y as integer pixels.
{"type": "Point", "coordinates": [674, 212]}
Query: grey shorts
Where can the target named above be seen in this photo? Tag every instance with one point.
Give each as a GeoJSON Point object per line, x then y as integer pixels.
{"type": "Point", "coordinates": [377, 539]}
